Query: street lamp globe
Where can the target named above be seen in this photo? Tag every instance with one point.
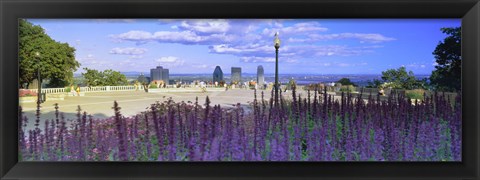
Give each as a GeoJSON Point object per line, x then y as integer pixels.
{"type": "Point", "coordinates": [37, 54]}
{"type": "Point", "coordinates": [276, 41]}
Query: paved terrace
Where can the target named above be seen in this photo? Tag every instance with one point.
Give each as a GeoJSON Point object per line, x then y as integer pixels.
{"type": "Point", "coordinates": [99, 104]}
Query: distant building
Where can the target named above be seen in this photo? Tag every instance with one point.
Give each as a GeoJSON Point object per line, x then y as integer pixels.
{"type": "Point", "coordinates": [217, 74]}
{"type": "Point", "coordinates": [166, 76]}
{"type": "Point", "coordinates": [236, 74]}
{"type": "Point", "coordinates": [159, 74]}
{"type": "Point", "coordinates": [260, 76]}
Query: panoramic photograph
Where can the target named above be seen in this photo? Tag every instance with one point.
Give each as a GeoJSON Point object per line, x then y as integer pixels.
{"type": "Point", "coordinates": [240, 90]}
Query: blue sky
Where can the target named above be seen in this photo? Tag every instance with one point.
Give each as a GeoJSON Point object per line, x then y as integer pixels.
{"type": "Point", "coordinates": [313, 46]}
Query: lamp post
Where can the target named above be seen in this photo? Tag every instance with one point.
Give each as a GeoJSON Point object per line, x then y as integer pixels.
{"type": "Point", "coordinates": [39, 93]}
{"type": "Point", "coordinates": [276, 42]}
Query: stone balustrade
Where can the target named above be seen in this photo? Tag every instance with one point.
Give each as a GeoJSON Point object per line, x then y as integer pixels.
{"type": "Point", "coordinates": [112, 88]}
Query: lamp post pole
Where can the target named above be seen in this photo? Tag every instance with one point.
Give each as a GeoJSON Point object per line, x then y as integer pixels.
{"type": "Point", "coordinates": [276, 75]}
{"type": "Point", "coordinates": [277, 46]}
{"type": "Point", "coordinates": [39, 92]}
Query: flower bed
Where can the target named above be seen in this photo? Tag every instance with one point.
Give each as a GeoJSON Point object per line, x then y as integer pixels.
{"type": "Point", "coordinates": [312, 128]}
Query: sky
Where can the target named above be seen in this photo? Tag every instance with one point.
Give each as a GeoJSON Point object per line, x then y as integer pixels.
{"type": "Point", "coordinates": [308, 46]}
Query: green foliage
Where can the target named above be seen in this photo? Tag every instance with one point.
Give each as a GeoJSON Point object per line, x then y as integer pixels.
{"type": "Point", "coordinates": [152, 86]}
{"type": "Point", "coordinates": [346, 81]}
{"type": "Point", "coordinates": [347, 88]}
{"type": "Point", "coordinates": [374, 84]}
{"type": "Point", "coordinates": [400, 78]}
{"type": "Point", "coordinates": [56, 61]}
{"type": "Point", "coordinates": [291, 83]}
{"type": "Point", "coordinates": [114, 78]}
{"type": "Point", "coordinates": [415, 94]}
{"type": "Point", "coordinates": [447, 73]}
{"type": "Point", "coordinates": [106, 78]}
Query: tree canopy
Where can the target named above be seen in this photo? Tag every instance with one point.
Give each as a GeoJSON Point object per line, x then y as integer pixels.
{"type": "Point", "coordinates": [447, 73]}
{"type": "Point", "coordinates": [345, 81]}
{"type": "Point", "coordinates": [104, 78]}
{"type": "Point", "coordinates": [398, 79]}
{"type": "Point", "coordinates": [56, 61]}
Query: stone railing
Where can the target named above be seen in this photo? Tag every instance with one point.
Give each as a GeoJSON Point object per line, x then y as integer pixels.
{"type": "Point", "coordinates": [111, 88]}
{"type": "Point", "coordinates": [93, 89]}
{"type": "Point", "coordinates": [49, 90]}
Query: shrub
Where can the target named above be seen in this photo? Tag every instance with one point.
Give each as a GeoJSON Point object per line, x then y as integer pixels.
{"type": "Point", "coordinates": [26, 93]}
{"type": "Point", "coordinates": [347, 88]}
{"type": "Point", "coordinates": [152, 86]}
{"type": "Point", "coordinates": [415, 94]}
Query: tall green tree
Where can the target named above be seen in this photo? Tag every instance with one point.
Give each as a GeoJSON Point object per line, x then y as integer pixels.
{"type": "Point", "coordinates": [448, 72]}
{"type": "Point", "coordinates": [114, 78]}
{"type": "Point", "coordinates": [93, 77]}
{"type": "Point", "coordinates": [56, 62]}
{"type": "Point", "coordinates": [400, 79]}
{"type": "Point", "coordinates": [104, 78]}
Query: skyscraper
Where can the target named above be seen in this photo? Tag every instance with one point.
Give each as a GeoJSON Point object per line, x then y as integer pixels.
{"type": "Point", "coordinates": [237, 74]}
{"type": "Point", "coordinates": [159, 74]}
{"type": "Point", "coordinates": [165, 76]}
{"type": "Point", "coordinates": [260, 76]}
{"type": "Point", "coordinates": [217, 74]}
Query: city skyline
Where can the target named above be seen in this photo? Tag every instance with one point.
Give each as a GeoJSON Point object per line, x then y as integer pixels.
{"type": "Point", "coordinates": [315, 46]}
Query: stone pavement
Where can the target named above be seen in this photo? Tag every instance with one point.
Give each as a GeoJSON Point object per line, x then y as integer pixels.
{"type": "Point", "coordinates": [99, 104]}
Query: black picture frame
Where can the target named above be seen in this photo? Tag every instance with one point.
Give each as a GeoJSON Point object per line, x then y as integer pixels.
{"type": "Point", "coordinates": [467, 10]}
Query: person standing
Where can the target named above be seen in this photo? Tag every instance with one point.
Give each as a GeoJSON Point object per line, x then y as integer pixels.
{"type": "Point", "coordinates": [72, 90]}
{"type": "Point", "coordinates": [78, 90]}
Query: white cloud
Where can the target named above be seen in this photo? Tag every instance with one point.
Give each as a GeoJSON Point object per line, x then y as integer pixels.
{"type": "Point", "coordinates": [253, 59]}
{"type": "Point", "coordinates": [90, 61]}
{"type": "Point", "coordinates": [343, 64]}
{"type": "Point", "coordinates": [128, 51]}
{"type": "Point", "coordinates": [133, 35]}
{"type": "Point", "coordinates": [170, 61]}
{"type": "Point", "coordinates": [251, 41]}
{"type": "Point", "coordinates": [416, 65]}
{"type": "Point", "coordinates": [306, 51]}
{"type": "Point", "coordinates": [249, 49]}
{"type": "Point", "coordinates": [304, 27]}
{"type": "Point", "coordinates": [200, 66]}
{"type": "Point", "coordinates": [206, 26]}
{"type": "Point", "coordinates": [182, 37]}
{"type": "Point", "coordinates": [363, 37]}
{"type": "Point", "coordinates": [135, 57]}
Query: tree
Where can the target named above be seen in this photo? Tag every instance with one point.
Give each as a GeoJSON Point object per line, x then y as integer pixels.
{"type": "Point", "coordinates": [447, 73]}
{"type": "Point", "coordinates": [106, 78]}
{"type": "Point", "coordinates": [374, 84]}
{"type": "Point", "coordinates": [57, 60]}
{"type": "Point", "coordinates": [400, 79]}
{"type": "Point", "coordinates": [114, 78]}
{"type": "Point", "coordinates": [93, 77]}
{"type": "Point", "coordinates": [345, 81]}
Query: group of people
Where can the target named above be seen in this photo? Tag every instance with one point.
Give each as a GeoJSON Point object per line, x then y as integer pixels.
{"type": "Point", "coordinates": [75, 91]}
